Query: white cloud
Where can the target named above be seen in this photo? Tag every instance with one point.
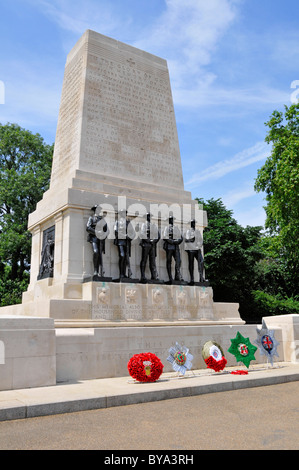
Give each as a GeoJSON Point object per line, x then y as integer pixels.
{"type": "Point", "coordinates": [233, 197]}
{"type": "Point", "coordinates": [77, 16]}
{"type": "Point", "coordinates": [209, 93]}
{"type": "Point", "coordinates": [33, 92]}
{"type": "Point", "coordinates": [258, 152]}
{"type": "Point", "coordinates": [254, 216]}
{"type": "Point", "coordinates": [188, 32]}
{"type": "Point", "coordinates": [247, 205]}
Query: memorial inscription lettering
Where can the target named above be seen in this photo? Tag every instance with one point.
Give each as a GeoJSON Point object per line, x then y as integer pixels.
{"type": "Point", "coordinates": [130, 117]}
{"type": "Point", "coordinates": [68, 121]}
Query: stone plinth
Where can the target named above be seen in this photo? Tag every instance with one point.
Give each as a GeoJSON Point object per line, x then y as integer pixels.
{"type": "Point", "coordinates": [28, 352]}
{"type": "Point", "coordinates": [87, 353]}
{"type": "Point", "coordinates": [150, 302]}
{"type": "Point", "coordinates": [289, 324]}
{"type": "Point", "coordinates": [113, 302]}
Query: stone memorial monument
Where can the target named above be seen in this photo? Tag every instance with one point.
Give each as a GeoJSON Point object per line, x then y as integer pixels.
{"type": "Point", "coordinates": [109, 261]}
{"type": "Point", "coordinates": [116, 150]}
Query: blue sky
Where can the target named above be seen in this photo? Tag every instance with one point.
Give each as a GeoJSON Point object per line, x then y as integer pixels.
{"type": "Point", "coordinates": [231, 64]}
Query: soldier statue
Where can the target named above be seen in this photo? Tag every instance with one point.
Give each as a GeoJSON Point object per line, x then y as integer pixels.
{"type": "Point", "coordinates": [149, 236]}
{"type": "Point", "coordinates": [172, 239]}
{"type": "Point", "coordinates": [98, 231]}
{"type": "Point", "coordinates": [124, 234]}
{"type": "Point", "coordinates": [193, 245]}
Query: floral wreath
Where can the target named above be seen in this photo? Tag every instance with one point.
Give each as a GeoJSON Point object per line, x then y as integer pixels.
{"type": "Point", "coordinates": [213, 356]}
{"type": "Point", "coordinates": [267, 343]}
{"type": "Point", "coordinates": [145, 367]}
{"type": "Point", "coordinates": [242, 349]}
{"type": "Point", "coordinates": [180, 358]}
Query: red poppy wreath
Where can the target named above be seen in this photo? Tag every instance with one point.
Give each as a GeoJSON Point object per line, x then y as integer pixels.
{"type": "Point", "coordinates": [213, 356]}
{"type": "Point", "coordinates": [145, 367]}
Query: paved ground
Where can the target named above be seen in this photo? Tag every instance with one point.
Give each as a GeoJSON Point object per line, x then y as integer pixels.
{"type": "Point", "coordinates": [254, 418]}
{"type": "Point", "coordinates": [202, 411]}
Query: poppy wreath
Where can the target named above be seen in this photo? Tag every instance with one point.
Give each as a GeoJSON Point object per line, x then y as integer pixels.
{"type": "Point", "coordinates": [213, 356]}
{"type": "Point", "coordinates": [145, 367]}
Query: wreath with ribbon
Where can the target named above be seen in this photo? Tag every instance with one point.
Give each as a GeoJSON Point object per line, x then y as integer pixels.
{"type": "Point", "coordinates": [145, 367]}
{"type": "Point", "coordinates": [213, 356]}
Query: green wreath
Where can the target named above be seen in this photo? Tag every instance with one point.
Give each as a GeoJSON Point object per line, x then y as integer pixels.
{"type": "Point", "coordinates": [242, 349]}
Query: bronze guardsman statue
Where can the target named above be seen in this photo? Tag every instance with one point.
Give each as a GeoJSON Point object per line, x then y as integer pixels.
{"type": "Point", "coordinates": [193, 245]}
{"type": "Point", "coordinates": [172, 239]}
{"type": "Point", "coordinates": [124, 234]}
{"type": "Point", "coordinates": [149, 236]}
{"type": "Point", "coordinates": [98, 231]}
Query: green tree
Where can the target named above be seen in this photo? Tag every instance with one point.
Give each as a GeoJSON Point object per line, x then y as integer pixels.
{"type": "Point", "coordinates": [279, 179]}
{"type": "Point", "coordinates": [231, 255]}
{"type": "Point", "coordinates": [25, 167]}
{"type": "Point", "coordinates": [274, 294]}
{"type": "Point", "coordinates": [269, 304]}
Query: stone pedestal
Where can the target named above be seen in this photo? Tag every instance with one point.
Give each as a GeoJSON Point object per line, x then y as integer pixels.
{"type": "Point", "coordinates": [110, 302]}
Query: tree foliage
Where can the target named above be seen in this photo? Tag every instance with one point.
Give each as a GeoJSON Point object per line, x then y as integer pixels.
{"type": "Point", "coordinates": [25, 167]}
{"type": "Point", "coordinates": [261, 270]}
{"type": "Point", "coordinates": [279, 179]}
{"type": "Point", "coordinates": [269, 304]}
{"type": "Point", "coordinates": [231, 255]}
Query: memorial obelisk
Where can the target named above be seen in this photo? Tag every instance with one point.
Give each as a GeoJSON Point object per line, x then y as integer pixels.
{"type": "Point", "coordinates": [116, 149]}
{"type": "Point", "coordinates": [117, 120]}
